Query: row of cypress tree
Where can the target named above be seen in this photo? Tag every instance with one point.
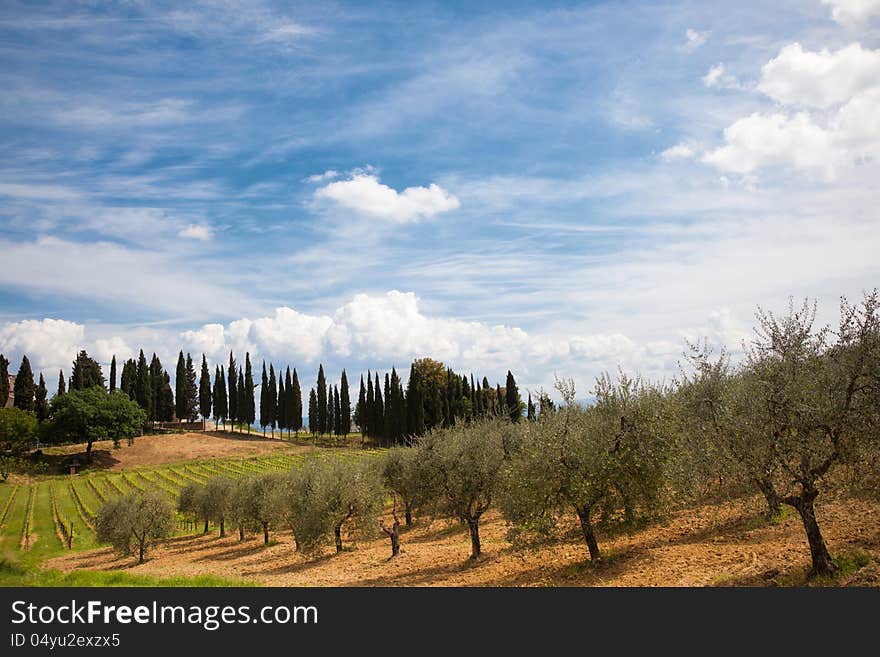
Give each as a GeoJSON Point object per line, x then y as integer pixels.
{"type": "Point", "coordinates": [435, 396]}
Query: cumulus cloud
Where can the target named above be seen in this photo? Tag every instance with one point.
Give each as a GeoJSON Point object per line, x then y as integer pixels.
{"type": "Point", "coordinates": [694, 39]}
{"type": "Point", "coordinates": [719, 78]}
{"type": "Point", "coordinates": [853, 12]}
{"type": "Point", "coordinates": [197, 232]}
{"type": "Point", "coordinates": [48, 343]}
{"type": "Point", "coordinates": [826, 118]}
{"type": "Point", "coordinates": [820, 79]}
{"type": "Point", "coordinates": [392, 329]}
{"type": "Point", "coordinates": [364, 194]}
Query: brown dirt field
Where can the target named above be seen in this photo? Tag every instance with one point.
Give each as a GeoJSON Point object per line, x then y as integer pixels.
{"type": "Point", "coordinates": [725, 544]}
{"type": "Point", "coordinates": [160, 449]}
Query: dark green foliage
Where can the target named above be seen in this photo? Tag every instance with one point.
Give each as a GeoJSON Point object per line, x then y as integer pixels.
{"type": "Point", "coordinates": [94, 414]}
{"type": "Point", "coordinates": [86, 372]}
{"type": "Point", "coordinates": [143, 388]}
{"type": "Point", "coordinates": [530, 412]}
{"type": "Point", "coordinates": [41, 405]}
{"type": "Point", "coordinates": [273, 398]}
{"type": "Point", "coordinates": [264, 399]}
{"type": "Point", "coordinates": [17, 429]}
{"type": "Point", "coordinates": [61, 388]}
{"type": "Point", "coordinates": [512, 399]}
{"type": "Point", "coordinates": [23, 390]}
{"type": "Point", "coordinates": [232, 393]}
{"type": "Point", "coordinates": [313, 411]}
{"type": "Point", "coordinates": [192, 392]}
{"type": "Point", "coordinates": [296, 405]}
{"type": "Point", "coordinates": [415, 409]}
{"type": "Point", "coordinates": [157, 381]}
{"type": "Point", "coordinates": [344, 406]}
{"type": "Point", "coordinates": [322, 400]}
{"type": "Point", "coordinates": [248, 393]}
{"type": "Point", "coordinates": [180, 398]}
{"type": "Point", "coordinates": [4, 380]}
{"type": "Point", "coordinates": [165, 405]}
{"type": "Point", "coordinates": [281, 408]}
{"type": "Point", "coordinates": [113, 373]}
{"type": "Point", "coordinates": [205, 396]}
{"type": "Point", "coordinates": [221, 404]}
{"type": "Point", "coordinates": [360, 409]}
{"type": "Point", "coordinates": [128, 380]}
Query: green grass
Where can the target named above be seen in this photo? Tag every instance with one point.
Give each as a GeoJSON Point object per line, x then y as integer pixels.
{"type": "Point", "coordinates": [16, 574]}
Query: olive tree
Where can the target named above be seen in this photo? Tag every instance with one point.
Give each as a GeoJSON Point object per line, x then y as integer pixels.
{"type": "Point", "coordinates": [810, 392]}
{"type": "Point", "coordinates": [256, 505]}
{"type": "Point", "coordinates": [350, 495]}
{"type": "Point", "coordinates": [192, 502]}
{"type": "Point", "coordinates": [217, 499]}
{"type": "Point", "coordinates": [461, 467]}
{"type": "Point", "coordinates": [402, 475]}
{"type": "Point", "coordinates": [608, 457]}
{"type": "Point", "coordinates": [135, 522]}
{"type": "Point", "coordinates": [296, 504]}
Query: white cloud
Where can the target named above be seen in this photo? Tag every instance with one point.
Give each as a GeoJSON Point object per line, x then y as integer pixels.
{"type": "Point", "coordinates": [329, 174]}
{"type": "Point", "coordinates": [820, 79]}
{"type": "Point", "coordinates": [682, 151]}
{"type": "Point", "coordinates": [761, 140]}
{"type": "Point", "coordinates": [48, 343]}
{"type": "Point", "coordinates": [694, 39]}
{"type": "Point", "coordinates": [853, 12]}
{"type": "Point", "coordinates": [364, 194]}
{"type": "Point", "coordinates": [197, 232]}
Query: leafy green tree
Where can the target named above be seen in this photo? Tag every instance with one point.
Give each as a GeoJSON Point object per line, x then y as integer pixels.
{"type": "Point", "coordinates": [205, 396]}
{"type": "Point", "coordinates": [17, 429]}
{"type": "Point", "coordinates": [61, 388]}
{"type": "Point", "coordinates": [23, 389]}
{"type": "Point", "coordinates": [403, 475]}
{"type": "Point", "coordinates": [41, 405]}
{"type": "Point", "coordinates": [86, 372]}
{"type": "Point", "coordinates": [192, 501]}
{"type": "Point", "coordinates": [415, 407]}
{"type": "Point", "coordinates": [165, 407]}
{"type": "Point", "coordinates": [297, 506]}
{"type": "Point", "coordinates": [258, 503]}
{"type": "Point", "coordinates": [92, 414]}
{"type": "Point", "coordinates": [135, 522]}
{"type": "Point", "coordinates": [113, 373]}
{"type": "Point", "coordinates": [350, 493]}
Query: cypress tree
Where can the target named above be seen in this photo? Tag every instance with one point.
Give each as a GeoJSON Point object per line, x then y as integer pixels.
{"type": "Point", "coordinates": [369, 410]}
{"type": "Point", "coordinates": [332, 407]}
{"type": "Point", "coordinates": [281, 408]}
{"type": "Point", "coordinates": [157, 385]}
{"type": "Point", "coordinates": [296, 403]}
{"type": "Point", "coordinates": [61, 388]}
{"type": "Point", "coordinates": [500, 402]}
{"type": "Point", "coordinates": [180, 388]}
{"type": "Point", "coordinates": [415, 410]}
{"type": "Point", "coordinates": [531, 410]}
{"type": "Point", "coordinates": [322, 400]}
{"type": "Point", "coordinates": [242, 402]}
{"type": "Point", "coordinates": [289, 406]}
{"type": "Point", "coordinates": [264, 400]}
{"type": "Point", "coordinates": [378, 424]}
{"type": "Point", "coordinates": [233, 391]}
{"type": "Point", "coordinates": [128, 378]}
{"type": "Point", "coordinates": [86, 372]}
{"type": "Point", "coordinates": [221, 409]}
{"type": "Point", "coordinates": [41, 403]}
{"type": "Point", "coordinates": [143, 391]}
{"type": "Point", "coordinates": [313, 411]}
{"type": "Point", "coordinates": [205, 390]}
{"type": "Point", "coordinates": [388, 415]}
{"type": "Point", "coordinates": [192, 391]}
{"type": "Point", "coordinates": [273, 399]}
{"type": "Point", "coordinates": [344, 405]}
{"type": "Point", "coordinates": [249, 391]}
{"type": "Point", "coordinates": [4, 381]}
{"type": "Point", "coordinates": [165, 407]}
{"type": "Point", "coordinates": [23, 390]}
{"type": "Point", "coordinates": [113, 373]}
{"type": "Point", "coordinates": [512, 399]}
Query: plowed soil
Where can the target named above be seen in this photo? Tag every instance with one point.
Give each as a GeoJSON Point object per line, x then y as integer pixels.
{"type": "Point", "coordinates": [727, 544]}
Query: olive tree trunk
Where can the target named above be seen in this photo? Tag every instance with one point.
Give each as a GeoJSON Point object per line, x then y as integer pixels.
{"type": "Point", "coordinates": [474, 529]}
{"type": "Point", "coordinates": [804, 505]}
{"type": "Point", "coordinates": [589, 535]}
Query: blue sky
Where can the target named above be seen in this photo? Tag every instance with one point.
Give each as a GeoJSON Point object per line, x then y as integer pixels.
{"type": "Point", "coordinates": [551, 187]}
